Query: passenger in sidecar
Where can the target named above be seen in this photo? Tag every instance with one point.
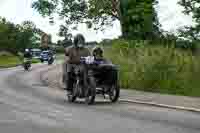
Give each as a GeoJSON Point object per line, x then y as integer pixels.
{"type": "Point", "coordinates": [106, 75]}
{"type": "Point", "coordinates": [106, 71]}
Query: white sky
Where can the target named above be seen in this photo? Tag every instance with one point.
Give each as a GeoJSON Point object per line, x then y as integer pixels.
{"type": "Point", "coordinates": [17, 11]}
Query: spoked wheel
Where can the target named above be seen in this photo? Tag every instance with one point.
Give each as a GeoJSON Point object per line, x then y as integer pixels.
{"type": "Point", "coordinates": [72, 96]}
{"type": "Point", "coordinates": [50, 62]}
{"type": "Point", "coordinates": [114, 93]}
{"type": "Point", "coordinates": [27, 67]}
{"type": "Point", "coordinates": [91, 92]}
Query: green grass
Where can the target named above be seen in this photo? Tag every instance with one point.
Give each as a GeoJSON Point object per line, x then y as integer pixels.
{"type": "Point", "coordinates": [9, 61]}
{"type": "Point", "coordinates": [35, 61]}
{"type": "Point", "coordinates": [60, 56]}
{"type": "Point", "coordinates": [12, 61]}
{"type": "Point", "coordinates": [156, 68]}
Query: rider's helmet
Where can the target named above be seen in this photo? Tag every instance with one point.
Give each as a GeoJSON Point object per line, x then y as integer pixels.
{"type": "Point", "coordinates": [79, 40]}
{"type": "Point", "coordinates": [97, 52]}
{"type": "Point", "coordinates": [26, 50]}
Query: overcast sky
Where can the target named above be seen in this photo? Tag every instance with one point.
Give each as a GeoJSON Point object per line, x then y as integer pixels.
{"type": "Point", "coordinates": [17, 11]}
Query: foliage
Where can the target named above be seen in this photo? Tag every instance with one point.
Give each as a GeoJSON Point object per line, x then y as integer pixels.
{"type": "Point", "coordinates": [157, 68]}
{"type": "Point", "coordinates": [138, 18]}
{"type": "Point", "coordinates": [191, 7]}
{"type": "Point", "coordinates": [9, 61]}
{"type": "Point", "coordinates": [15, 38]}
{"type": "Point", "coordinates": [60, 50]}
{"type": "Point", "coordinates": [79, 11]}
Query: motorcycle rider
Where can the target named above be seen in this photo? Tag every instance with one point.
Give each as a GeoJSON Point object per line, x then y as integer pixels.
{"type": "Point", "coordinates": [27, 53]}
{"type": "Point", "coordinates": [72, 56]}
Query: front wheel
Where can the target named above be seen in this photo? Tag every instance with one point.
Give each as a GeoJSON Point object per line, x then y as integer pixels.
{"type": "Point", "coordinates": [72, 96]}
{"type": "Point", "coordinates": [91, 92]}
{"type": "Point", "coordinates": [26, 66]}
{"type": "Point", "coordinates": [114, 93]}
{"type": "Point", "coordinates": [50, 62]}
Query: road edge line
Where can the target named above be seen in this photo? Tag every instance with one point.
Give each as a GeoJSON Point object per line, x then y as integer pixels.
{"type": "Point", "coordinates": [161, 105]}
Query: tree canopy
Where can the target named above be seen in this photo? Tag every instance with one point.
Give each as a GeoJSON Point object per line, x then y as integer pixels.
{"type": "Point", "coordinates": [136, 17]}
{"type": "Point", "coordinates": [15, 38]}
{"type": "Point", "coordinates": [192, 8]}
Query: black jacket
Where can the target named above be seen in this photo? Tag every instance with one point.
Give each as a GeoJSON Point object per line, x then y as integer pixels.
{"type": "Point", "coordinates": [27, 55]}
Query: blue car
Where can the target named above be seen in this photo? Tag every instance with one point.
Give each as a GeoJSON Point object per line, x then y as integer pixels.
{"type": "Point", "coordinates": [47, 56]}
{"type": "Point", "coordinates": [44, 56]}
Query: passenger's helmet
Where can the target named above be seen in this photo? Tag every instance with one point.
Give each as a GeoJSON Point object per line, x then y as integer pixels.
{"type": "Point", "coordinates": [26, 50]}
{"type": "Point", "coordinates": [97, 52]}
{"type": "Point", "coordinates": [79, 40]}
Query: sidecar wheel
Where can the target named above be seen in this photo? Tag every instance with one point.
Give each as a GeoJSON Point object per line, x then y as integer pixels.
{"type": "Point", "coordinates": [114, 93]}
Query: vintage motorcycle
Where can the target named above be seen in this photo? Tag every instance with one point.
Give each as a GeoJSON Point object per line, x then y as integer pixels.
{"type": "Point", "coordinates": [27, 64]}
{"type": "Point", "coordinates": [89, 80]}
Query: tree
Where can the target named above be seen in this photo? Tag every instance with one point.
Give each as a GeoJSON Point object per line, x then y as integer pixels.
{"type": "Point", "coordinates": [135, 16]}
{"type": "Point", "coordinates": [8, 35]}
{"type": "Point", "coordinates": [139, 19]}
{"type": "Point", "coordinates": [157, 31]}
{"type": "Point", "coordinates": [63, 31]}
{"type": "Point", "coordinates": [15, 38]}
{"type": "Point", "coordinates": [27, 36]}
{"type": "Point", "coordinates": [192, 8]}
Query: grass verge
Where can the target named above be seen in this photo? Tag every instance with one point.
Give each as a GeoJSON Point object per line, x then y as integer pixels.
{"type": "Point", "coordinates": [7, 61]}
{"type": "Point", "coordinates": [156, 68]}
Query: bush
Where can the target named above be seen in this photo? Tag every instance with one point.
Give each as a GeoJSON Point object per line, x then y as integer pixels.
{"type": "Point", "coordinates": [35, 60]}
{"type": "Point", "coordinates": [9, 61]}
{"type": "Point", "coordinates": [60, 50]}
{"type": "Point", "coordinates": [156, 68]}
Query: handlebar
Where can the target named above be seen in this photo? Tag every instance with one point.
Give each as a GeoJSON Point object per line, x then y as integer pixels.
{"type": "Point", "coordinates": [95, 62]}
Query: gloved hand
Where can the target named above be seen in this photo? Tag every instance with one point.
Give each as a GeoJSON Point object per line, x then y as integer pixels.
{"type": "Point", "coordinates": [89, 60]}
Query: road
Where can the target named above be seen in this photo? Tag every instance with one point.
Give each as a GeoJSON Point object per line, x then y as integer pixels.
{"type": "Point", "coordinates": [28, 106]}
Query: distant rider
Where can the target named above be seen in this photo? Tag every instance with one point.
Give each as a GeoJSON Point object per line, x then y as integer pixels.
{"type": "Point", "coordinates": [27, 54]}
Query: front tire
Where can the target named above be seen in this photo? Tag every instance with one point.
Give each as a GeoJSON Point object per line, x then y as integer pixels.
{"type": "Point", "coordinates": [26, 66]}
{"type": "Point", "coordinates": [91, 92]}
{"type": "Point", "coordinates": [50, 62]}
{"type": "Point", "coordinates": [72, 97]}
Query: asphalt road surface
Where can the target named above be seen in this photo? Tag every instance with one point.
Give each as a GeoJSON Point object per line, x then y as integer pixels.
{"type": "Point", "coordinates": [28, 106]}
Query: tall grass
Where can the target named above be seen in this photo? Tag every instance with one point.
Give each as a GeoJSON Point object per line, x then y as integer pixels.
{"type": "Point", "coordinates": [9, 61]}
{"type": "Point", "coordinates": [156, 68]}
